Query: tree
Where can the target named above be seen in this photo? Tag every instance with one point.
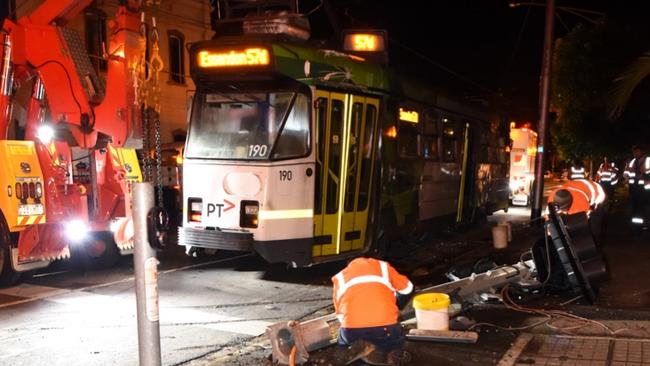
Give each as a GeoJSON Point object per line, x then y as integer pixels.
{"type": "Point", "coordinates": [587, 61]}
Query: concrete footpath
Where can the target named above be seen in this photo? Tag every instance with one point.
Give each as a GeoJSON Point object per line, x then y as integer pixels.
{"type": "Point", "coordinates": [615, 330]}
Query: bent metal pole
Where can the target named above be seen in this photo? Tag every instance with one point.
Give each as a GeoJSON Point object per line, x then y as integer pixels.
{"type": "Point", "coordinates": [146, 278]}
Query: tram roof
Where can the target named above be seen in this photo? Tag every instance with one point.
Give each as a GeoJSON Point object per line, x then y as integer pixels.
{"type": "Point", "coordinates": [312, 65]}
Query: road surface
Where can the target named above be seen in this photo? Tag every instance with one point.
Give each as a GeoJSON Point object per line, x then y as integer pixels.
{"type": "Point", "coordinates": [73, 317]}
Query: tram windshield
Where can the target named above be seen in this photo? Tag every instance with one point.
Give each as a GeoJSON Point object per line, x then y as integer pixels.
{"type": "Point", "coordinates": [249, 126]}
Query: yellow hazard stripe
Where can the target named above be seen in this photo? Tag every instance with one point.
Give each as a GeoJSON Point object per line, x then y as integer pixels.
{"type": "Point", "coordinates": [30, 220]}
{"type": "Point", "coordinates": [285, 214]}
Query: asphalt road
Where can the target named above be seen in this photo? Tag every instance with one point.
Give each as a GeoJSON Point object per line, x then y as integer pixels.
{"type": "Point", "coordinates": [70, 316]}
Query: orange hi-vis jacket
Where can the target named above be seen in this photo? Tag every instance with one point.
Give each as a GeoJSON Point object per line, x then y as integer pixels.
{"type": "Point", "coordinates": [364, 293]}
{"type": "Point", "coordinates": [586, 195]}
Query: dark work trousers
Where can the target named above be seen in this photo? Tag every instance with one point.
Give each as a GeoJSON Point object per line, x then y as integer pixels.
{"type": "Point", "coordinates": [387, 338]}
{"type": "Point", "coordinates": [596, 220]}
{"type": "Point", "coordinates": [639, 202]}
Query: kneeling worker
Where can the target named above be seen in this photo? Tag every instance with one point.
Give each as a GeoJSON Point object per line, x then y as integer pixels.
{"type": "Point", "coordinates": [581, 196]}
{"type": "Point", "coordinates": [366, 296]}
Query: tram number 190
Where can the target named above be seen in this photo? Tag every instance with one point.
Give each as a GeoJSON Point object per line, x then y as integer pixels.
{"type": "Point", "coordinates": [285, 175]}
{"type": "Point", "coordinates": [257, 151]}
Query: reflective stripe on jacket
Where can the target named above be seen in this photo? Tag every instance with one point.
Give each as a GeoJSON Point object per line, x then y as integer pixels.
{"type": "Point", "coordinates": [638, 172]}
{"type": "Point", "coordinates": [364, 293]}
{"type": "Point", "coordinates": [586, 195]}
{"type": "Point", "coordinates": [577, 173]}
{"type": "Point", "coordinates": [608, 173]}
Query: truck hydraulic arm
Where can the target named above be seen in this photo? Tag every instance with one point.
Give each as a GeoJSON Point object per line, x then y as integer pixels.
{"type": "Point", "coordinates": [36, 45]}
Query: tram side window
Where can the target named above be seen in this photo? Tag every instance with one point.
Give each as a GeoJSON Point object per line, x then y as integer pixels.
{"type": "Point", "coordinates": [321, 117]}
{"type": "Point", "coordinates": [334, 168]}
{"type": "Point", "coordinates": [408, 139]}
{"type": "Point", "coordinates": [429, 148]}
{"type": "Point", "coordinates": [366, 158]}
{"type": "Point", "coordinates": [448, 140]}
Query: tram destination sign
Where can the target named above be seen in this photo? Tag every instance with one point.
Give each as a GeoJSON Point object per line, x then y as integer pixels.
{"type": "Point", "coordinates": [232, 58]}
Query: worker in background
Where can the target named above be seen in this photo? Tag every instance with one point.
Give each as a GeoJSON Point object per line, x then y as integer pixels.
{"type": "Point", "coordinates": [637, 174]}
{"type": "Point", "coordinates": [577, 171]}
{"type": "Point", "coordinates": [367, 296]}
{"type": "Point", "coordinates": [607, 176]}
{"type": "Point", "coordinates": [581, 196]}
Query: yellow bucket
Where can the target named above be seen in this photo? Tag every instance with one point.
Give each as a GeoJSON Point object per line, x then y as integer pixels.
{"type": "Point", "coordinates": [431, 311]}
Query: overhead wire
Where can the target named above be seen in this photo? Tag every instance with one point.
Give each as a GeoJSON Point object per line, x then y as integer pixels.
{"type": "Point", "coordinates": [441, 66]}
{"type": "Point", "coordinates": [427, 59]}
{"type": "Point", "coordinates": [515, 49]}
{"type": "Point", "coordinates": [559, 17]}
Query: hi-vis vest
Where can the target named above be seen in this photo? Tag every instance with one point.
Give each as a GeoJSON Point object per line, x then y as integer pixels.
{"type": "Point", "coordinates": [364, 293]}
{"type": "Point", "coordinates": [637, 172]}
{"type": "Point", "coordinates": [586, 195]}
{"type": "Point", "coordinates": [577, 173]}
{"type": "Point", "coordinates": [608, 173]}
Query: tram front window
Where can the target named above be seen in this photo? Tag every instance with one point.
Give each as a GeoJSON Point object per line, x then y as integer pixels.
{"type": "Point", "coordinates": [249, 126]}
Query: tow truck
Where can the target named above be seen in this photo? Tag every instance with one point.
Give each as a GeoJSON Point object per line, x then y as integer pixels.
{"type": "Point", "coordinates": [66, 165]}
{"type": "Point", "coordinates": [522, 164]}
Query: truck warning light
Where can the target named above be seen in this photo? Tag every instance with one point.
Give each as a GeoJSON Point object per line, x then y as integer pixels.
{"type": "Point", "coordinates": [233, 58]}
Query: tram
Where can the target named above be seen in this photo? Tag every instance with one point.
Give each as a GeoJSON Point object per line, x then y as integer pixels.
{"type": "Point", "coordinates": [305, 155]}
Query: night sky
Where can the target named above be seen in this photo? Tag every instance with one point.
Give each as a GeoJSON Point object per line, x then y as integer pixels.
{"type": "Point", "coordinates": [481, 48]}
{"type": "Point", "coordinates": [484, 46]}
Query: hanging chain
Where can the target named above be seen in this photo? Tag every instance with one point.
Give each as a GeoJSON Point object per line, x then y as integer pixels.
{"type": "Point", "coordinates": [147, 88]}
{"type": "Point", "coordinates": [156, 65]}
{"type": "Point", "coordinates": [159, 184]}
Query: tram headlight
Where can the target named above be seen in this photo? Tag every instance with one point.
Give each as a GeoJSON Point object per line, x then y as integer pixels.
{"type": "Point", "coordinates": [248, 217]}
{"type": "Point", "coordinates": [195, 209]}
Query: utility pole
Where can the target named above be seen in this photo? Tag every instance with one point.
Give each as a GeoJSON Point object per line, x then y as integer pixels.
{"type": "Point", "coordinates": [547, 57]}
{"type": "Point", "coordinates": [146, 278]}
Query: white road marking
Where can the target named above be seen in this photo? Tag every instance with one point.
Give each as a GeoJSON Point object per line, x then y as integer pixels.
{"type": "Point", "coordinates": [48, 294]}
{"type": "Point", "coordinates": [80, 303]}
{"type": "Point", "coordinates": [512, 354]}
{"type": "Point", "coordinates": [29, 290]}
{"type": "Point", "coordinates": [248, 327]}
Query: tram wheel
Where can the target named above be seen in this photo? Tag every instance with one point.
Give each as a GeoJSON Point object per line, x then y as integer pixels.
{"type": "Point", "coordinates": [8, 276]}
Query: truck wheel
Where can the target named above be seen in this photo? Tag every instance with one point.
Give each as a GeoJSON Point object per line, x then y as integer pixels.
{"type": "Point", "coordinates": [100, 251]}
{"type": "Point", "coordinates": [8, 276]}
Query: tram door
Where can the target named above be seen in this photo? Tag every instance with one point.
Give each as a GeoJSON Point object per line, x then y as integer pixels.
{"type": "Point", "coordinates": [346, 135]}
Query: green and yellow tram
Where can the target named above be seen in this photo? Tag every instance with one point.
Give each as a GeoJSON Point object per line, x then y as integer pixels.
{"type": "Point", "coordinates": [305, 155]}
